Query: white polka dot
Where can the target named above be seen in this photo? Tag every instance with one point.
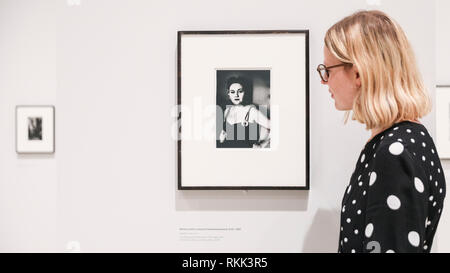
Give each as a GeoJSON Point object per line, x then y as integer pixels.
{"type": "Point", "coordinates": [369, 230]}
{"type": "Point", "coordinates": [359, 212]}
{"type": "Point", "coordinates": [374, 155]}
{"type": "Point", "coordinates": [432, 150]}
{"type": "Point", "coordinates": [434, 204]}
{"type": "Point", "coordinates": [348, 220]}
{"type": "Point", "coordinates": [412, 140]}
{"type": "Point", "coordinates": [408, 131]}
{"type": "Point", "coordinates": [399, 139]}
{"type": "Point", "coordinates": [373, 177]}
{"type": "Point", "coordinates": [425, 247]}
{"type": "Point", "coordinates": [342, 229]}
{"type": "Point", "coordinates": [418, 184]}
{"type": "Point", "coordinates": [439, 211]}
{"type": "Point", "coordinates": [362, 157]}
{"type": "Point", "coordinates": [396, 148]}
{"type": "Point", "coordinates": [423, 144]}
{"type": "Point", "coordinates": [356, 232]}
{"type": "Point", "coordinates": [359, 177]}
{"type": "Point", "coordinates": [382, 137]}
{"type": "Point", "coordinates": [431, 198]}
{"type": "Point", "coordinates": [436, 183]}
{"type": "Point", "coordinates": [422, 133]}
{"type": "Point", "coordinates": [367, 164]}
{"type": "Point", "coordinates": [423, 158]}
{"type": "Point", "coordinates": [413, 238]}
{"type": "Point", "coordinates": [349, 188]}
{"type": "Point", "coordinates": [364, 192]}
{"type": "Point", "coordinates": [343, 208]}
{"type": "Point", "coordinates": [373, 147]}
{"type": "Point", "coordinates": [353, 251]}
{"type": "Point", "coordinates": [391, 134]}
{"type": "Point", "coordinates": [440, 190]}
{"type": "Point", "coordinates": [431, 177]}
{"type": "Point", "coordinates": [390, 251]}
{"type": "Point", "coordinates": [432, 163]}
{"type": "Point", "coordinates": [354, 202]}
{"type": "Point", "coordinates": [360, 184]}
{"type": "Point", "coordinates": [439, 170]}
{"type": "Point", "coordinates": [395, 128]}
{"type": "Point", "coordinates": [345, 240]}
{"type": "Point", "coordinates": [393, 202]}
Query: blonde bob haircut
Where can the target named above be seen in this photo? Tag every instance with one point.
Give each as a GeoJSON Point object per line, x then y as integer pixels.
{"type": "Point", "coordinates": [392, 88]}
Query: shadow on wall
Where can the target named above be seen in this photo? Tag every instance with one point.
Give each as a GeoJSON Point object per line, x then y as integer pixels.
{"type": "Point", "coordinates": [238, 200]}
{"type": "Point", "coordinates": [323, 234]}
{"type": "Point", "coordinates": [35, 156]}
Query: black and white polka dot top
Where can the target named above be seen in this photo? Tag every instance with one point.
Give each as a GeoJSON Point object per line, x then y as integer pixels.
{"type": "Point", "coordinates": [395, 197]}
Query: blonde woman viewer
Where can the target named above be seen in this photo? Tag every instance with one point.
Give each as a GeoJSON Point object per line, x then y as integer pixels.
{"type": "Point", "coordinates": [395, 197]}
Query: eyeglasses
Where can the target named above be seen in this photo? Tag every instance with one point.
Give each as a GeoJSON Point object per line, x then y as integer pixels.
{"type": "Point", "coordinates": [324, 71]}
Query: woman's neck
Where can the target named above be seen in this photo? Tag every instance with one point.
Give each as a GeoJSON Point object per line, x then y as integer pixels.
{"type": "Point", "coordinates": [376, 131]}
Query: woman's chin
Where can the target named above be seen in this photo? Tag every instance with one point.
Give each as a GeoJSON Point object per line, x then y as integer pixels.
{"type": "Point", "coordinates": [340, 107]}
{"type": "Point", "coordinates": [337, 106]}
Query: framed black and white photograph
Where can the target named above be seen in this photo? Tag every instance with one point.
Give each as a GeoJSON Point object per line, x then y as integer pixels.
{"type": "Point", "coordinates": [243, 100]}
{"type": "Point", "coordinates": [443, 121]}
{"type": "Point", "coordinates": [35, 129]}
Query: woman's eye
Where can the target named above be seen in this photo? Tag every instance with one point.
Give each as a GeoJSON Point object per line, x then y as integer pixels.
{"type": "Point", "coordinates": [232, 92]}
{"type": "Point", "coordinates": [241, 91]}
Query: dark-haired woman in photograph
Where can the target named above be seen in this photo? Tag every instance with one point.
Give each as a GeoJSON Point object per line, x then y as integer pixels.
{"type": "Point", "coordinates": [250, 127]}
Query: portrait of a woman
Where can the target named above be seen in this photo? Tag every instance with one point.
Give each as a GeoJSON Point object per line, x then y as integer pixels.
{"type": "Point", "coordinates": [244, 125]}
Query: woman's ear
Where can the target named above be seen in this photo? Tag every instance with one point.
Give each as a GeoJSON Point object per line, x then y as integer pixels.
{"type": "Point", "coordinates": [357, 78]}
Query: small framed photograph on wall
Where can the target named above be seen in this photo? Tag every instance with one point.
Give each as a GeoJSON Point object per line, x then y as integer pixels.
{"type": "Point", "coordinates": [443, 121]}
{"type": "Point", "coordinates": [243, 110]}
{"type": "Point", "coordinates": [35, 129]}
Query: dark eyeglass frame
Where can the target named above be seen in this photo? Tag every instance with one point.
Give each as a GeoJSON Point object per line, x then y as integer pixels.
{"type": "Point", "coordinates": [321, 67]}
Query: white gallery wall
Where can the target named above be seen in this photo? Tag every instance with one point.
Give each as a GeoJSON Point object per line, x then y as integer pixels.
{"type": "Point", "coordinates": [109, 67]}
{"type": "Point", "coordinates": [443, 78]}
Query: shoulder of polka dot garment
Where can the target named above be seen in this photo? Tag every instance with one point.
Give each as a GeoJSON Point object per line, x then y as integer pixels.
{"type": "Point", "coordinates": [400, 137]}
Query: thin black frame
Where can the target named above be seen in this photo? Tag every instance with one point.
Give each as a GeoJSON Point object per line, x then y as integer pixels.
{"type": "Point", "coordinates": [227, 32]}
{"type": "Point", "coordinates": [54, 128]}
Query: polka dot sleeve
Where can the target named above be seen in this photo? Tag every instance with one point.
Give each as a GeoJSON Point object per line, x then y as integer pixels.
{"type": "Point", "coordinates": [396, 202]}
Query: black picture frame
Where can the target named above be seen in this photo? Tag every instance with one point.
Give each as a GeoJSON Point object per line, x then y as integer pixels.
{"type": "Point", "coordinates": [180, 35]}
{"type": "Point", "coordinates": [17, 133]}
